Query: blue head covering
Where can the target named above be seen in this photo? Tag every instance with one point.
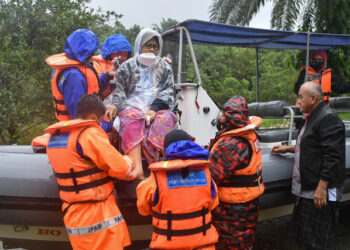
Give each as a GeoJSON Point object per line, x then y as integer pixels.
{"type": "Point", "coordinates": [179, 145]}
{"type": "Point", "coordinates": [81, 44]}
{"type": "Point", "coordinates": [185, 150]}
{"type": "Point", "coordinates": [115, 43]}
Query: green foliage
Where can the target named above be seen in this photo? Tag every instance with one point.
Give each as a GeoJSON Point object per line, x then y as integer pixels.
{"type": "Point", "coordinates": [344, 116]}
{"type": "Point", "coordinates": [226, 72]}
{"type": "Point", "coordinates": [24, 93]}
{"type": "Point", "coordinates": [30, 30]}
{"type": "Point", "coordinates": [326, 16]}
{"type": "Point", "coordinates": [274, 123]}
{"type": "Point", "coordinates": [285, 13]}
{"type": "Point", "coordinates": [104, 30]}
{"type": "Point", "coordinates": [316, 15]}
{"type": "Point", "coordinates": [164, 24]}
{"type": "Point", "coordinates": [322, 16]}
{"type": "Point", "coordinates": [277, 76]}
{"type": "Point", "coordinates": [237, 12]}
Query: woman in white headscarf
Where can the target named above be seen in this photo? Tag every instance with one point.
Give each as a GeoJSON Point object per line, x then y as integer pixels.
{"type": "Point", "coordinates": [145, 95]}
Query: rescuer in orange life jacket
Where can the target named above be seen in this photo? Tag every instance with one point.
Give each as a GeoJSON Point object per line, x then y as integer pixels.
{"type": "Point", "coordinates": [84, 161]}
{"type": "Point", "coordinates": [320, 73]}
{"type": "Point", "coordinates": [235, 165]}
{"type": "Point", "coordinates": [74, 74]}
{"type": "Point", "coordinates": [180, 194]}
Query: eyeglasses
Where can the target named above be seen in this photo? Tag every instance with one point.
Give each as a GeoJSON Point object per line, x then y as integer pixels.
{"type": "Point", "coordinates": [151, 46]}
{"type": "Point", "coordinates": [317, 60]}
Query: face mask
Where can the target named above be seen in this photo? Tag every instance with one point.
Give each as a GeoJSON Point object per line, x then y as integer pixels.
{"type": "Point", "coordinates": [316, 65]}
{"type": "Point", "coordinates": [146, 59]}
{"type": "Point", "coordinates": [218, 124]}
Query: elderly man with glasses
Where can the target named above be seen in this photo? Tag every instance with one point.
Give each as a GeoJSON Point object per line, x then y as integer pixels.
{"type": "Point", "coordinates": [318, 170]}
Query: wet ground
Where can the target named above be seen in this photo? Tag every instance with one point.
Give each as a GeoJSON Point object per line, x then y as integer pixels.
{"type": "Point", "coordinates": [273, 234]}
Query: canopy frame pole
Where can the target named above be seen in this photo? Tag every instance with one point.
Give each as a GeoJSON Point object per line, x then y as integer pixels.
{"type": "Point", "coordinates": [179, 69]}
{"type": "Point", "coordinates": [290, 132]}
{"type": "Point", "coordinates": [307, 57]}
{"type": "Point", "coordinates": [257, 74]}
{"type": "Point", "coordinates": [194, 59]}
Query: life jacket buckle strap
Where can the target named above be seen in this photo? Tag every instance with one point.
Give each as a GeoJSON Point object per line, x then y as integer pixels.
{"type": "Point", "coordinates": [258, 174]}
{"type": "Point", "coordinates": [61, 112]}
{"type": "Point", "coordinates": [85, 186]}
{"type": "Point", "coordinates": [57, 101]}
{"type": "Point", "coordinates": [204, 212]}
{"type": "Point", "coordinates": [74, 180]}
{"type": "Point", "coordinates": [244, 180]}
{"type": "Point", "coordinates": [183, 232]}
{"type": "Point", "coordinates": [169, 219]}
{"type": "Point", "coordinates": [83, 173]}
{"type": "Point", "coordinates": [183, 216]}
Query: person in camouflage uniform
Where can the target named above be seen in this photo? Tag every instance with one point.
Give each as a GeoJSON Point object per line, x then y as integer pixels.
{"type": "Point", "coordinates": [235, 153]}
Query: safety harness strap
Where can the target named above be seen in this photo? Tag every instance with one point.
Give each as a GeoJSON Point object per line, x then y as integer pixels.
{"type": "Point", "coordinates": [326, 97]}
{"type": "Point", "coordinates": [183, 232]}
{"type": "Point", "coordinates": [243, 181]}
{"type": "Point", "coordinates": [183, 216]}
{"type": "Point", "coordinates": [61, 112]}
{"type": "Point", "coordinates": [58, 101]}
{"type": "Point", "coordinates": [169, 216]}
{"type": "Point", "coordinates": [79, 187]}
{"type": "Point", "coordinates": [83, 173]}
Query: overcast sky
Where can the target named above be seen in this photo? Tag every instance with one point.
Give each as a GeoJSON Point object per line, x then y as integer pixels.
{"type": "Point", "coordinates": [147, 12]}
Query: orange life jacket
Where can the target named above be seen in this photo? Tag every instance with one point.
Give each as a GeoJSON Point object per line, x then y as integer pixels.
{"type": "Point", "coordinates": [247, 183]}
{"type": "Point", "coordinates": [79, 180]}
{"type": "Point", "coordinates": [326, 81]}
{"type": "Point", "coordinates": [61, 62]}
{"type": "Point", "coordinates": [40, 142]}
{"type": "Point", "coordinates": [181, 216]}
{"type": "Point", "coordinates": [102, 66]}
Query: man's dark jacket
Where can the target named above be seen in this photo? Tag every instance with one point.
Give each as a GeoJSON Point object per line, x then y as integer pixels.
{"type": "Point", "coordinates": [322, 149]}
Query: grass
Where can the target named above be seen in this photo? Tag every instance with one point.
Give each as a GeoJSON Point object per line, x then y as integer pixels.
{"type": "Point", "coordinates": [275, 123]}
{"type": "Point", "coordinates": [344, 115]}
{"type": "Point", "coordinates": [284, 123]}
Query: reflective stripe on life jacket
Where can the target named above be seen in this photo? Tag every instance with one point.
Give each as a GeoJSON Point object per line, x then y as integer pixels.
{"type": "Point", "coordinates": [247, 183]}
{"type": "Point", "coordinates": [79, 180]}
{"type": "Point", "coordinates": [61, 62]}
{"type": "Point", "coordinates": [325, 81]}
{"type": "Point", "coordinates": [96, 227]}
{"type": "Point", "coordinates": [181, 218]}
